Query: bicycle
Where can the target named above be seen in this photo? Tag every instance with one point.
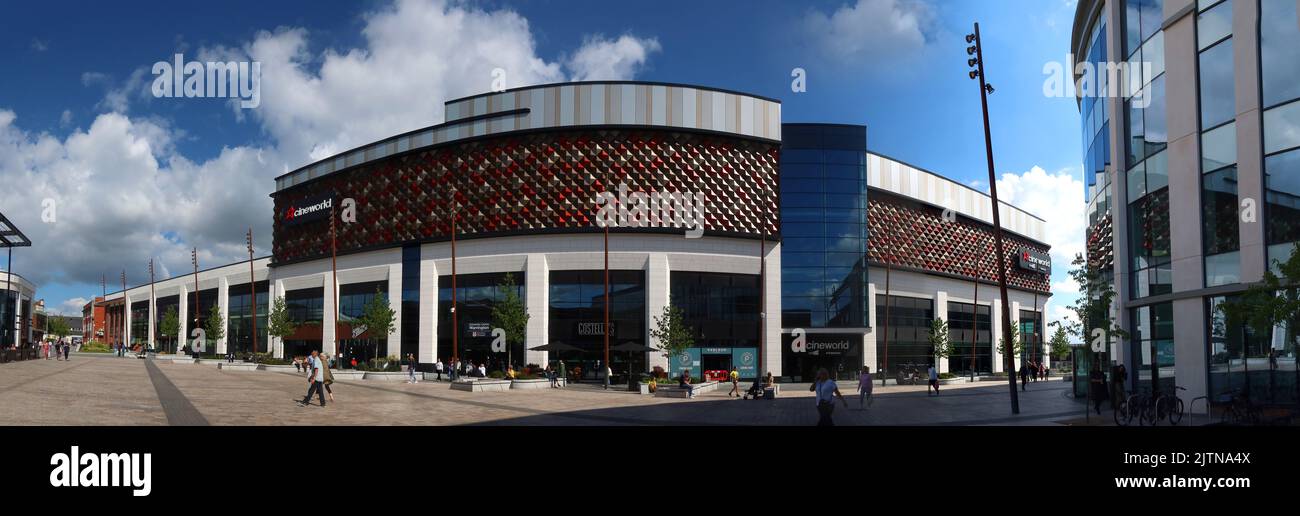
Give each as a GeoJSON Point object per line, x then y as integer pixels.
{"type": "Point", "coordinates": [1239, 409]}
{"type": "Point", "coordinates": [1124, 410]}
{"type": "Point", "coordinates": [1165, 406]}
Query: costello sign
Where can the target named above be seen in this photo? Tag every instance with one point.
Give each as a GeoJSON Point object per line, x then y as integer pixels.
{"type": "Point", "coordinates": [1032, 260]}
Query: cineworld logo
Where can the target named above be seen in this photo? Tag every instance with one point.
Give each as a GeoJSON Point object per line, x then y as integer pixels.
{"type": "Point", "coordinates": [1035, 261]}
{"type": "Point", "coordinates": [652, 210]}
{"type": "Point", "coordinates": [294, 212]}
{"type": "Point", "coordinates": [102, 470]}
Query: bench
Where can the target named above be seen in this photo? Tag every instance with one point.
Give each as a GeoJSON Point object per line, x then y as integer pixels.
{"type": "Point", "coordinates": [673, 391]}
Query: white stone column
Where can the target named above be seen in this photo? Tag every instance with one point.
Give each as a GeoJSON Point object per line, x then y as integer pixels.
{"type": "Point", "coordinates": [182, 315]}
{"type": "Point", "coordinates": [537, 283]}
{"type": "Point", "coordinates": [223, 302]}
{"type": "Point", "coordinates": [941, 312]}
{"type": "Point", "coordinates": [1015, 321]}
{"type": "Point", "coordinates": [276, 288]}
{"type": "Point", "coordinates": [772, 310]}
{"type": "Point", "coordinates": [870, 356]}
{"type": "Point", "coordinates": [126, 320]}
{"type": "Point", "coordinates": [428, 307]}
{"type": "Point", "coordinates": [328, 312]}
{"type": "Point", "coordinates": [995, 314]}
{"type": "Point", "coordinates": [395, 302]}
{"type": "Point", "coordinates": [657, 289]}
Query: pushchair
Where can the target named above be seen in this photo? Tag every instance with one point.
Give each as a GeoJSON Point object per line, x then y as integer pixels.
{"type": "Point", "coordinates": [755, 391]}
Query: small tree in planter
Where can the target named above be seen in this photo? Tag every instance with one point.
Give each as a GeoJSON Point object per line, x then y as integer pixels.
{"type": "Point", "coordinates": [671, 333]}
{"type": "Point", "coordinates": [170, 325]}
{"type": "Point", "coordinates": [511, 315]}
{"type": "Point", "coordinates": [377, 317]}
{"type": "Point", "coordinates": [279, 324]}
{"type": "Point", "coordinates": [1011, 343]}
{"type": "Point", "coordinates": [1060, 344]}
{"type": "Point", "coordinates": [215, 327]}
{"type": "Point", "coordinates": [940, 348]}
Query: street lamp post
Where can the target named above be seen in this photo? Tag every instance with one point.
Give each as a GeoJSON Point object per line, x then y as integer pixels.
{"type": "Point", "coordinates": [977, 62]}
{"type": "Point", "coordinates": [252, 289]}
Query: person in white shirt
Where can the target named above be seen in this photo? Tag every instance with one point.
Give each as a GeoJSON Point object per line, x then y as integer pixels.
{"type": "Point", "coordinates": [482, 371]}
{"type": "Point", "coordinates": [437, 368]}
{"type": "Point", "coordinates": [934, 381]}
{"type": "Point", "coordinates": [316, 379]}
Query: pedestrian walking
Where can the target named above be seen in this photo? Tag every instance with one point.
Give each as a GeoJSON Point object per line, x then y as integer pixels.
{"type": "Point", "coordinates": [1024, 376]}
{"type": "Point", "coordinates": [934, 381]}
{"type": "Point", "coordinates": [437, 368]}
{"type": "Point", "coordinates": [864, 387]}
{"type": "Point", "coordinates": [316, 381]}
{"type": "Point", "coordinates": [329, 377]}
{"type": "Point", "coordinates": [1097, 387]}
{"type": "Point", "coordinates": [410, 368]}
{"type": "Point", "coordinates": [608, 372]}
{"type": "Point", "coordinates": [826, 390]}
{"type": "Point", "coordinates": [735, 382]}
{"type": "Point", "coordinates": [1118, 374]}
{"type": "Point", "coordinates": [67, 348]}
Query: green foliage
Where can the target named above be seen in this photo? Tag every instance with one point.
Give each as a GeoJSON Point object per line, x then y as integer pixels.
{"type": "Point", "coordinates": [1060, 344]}
{"type": "Point", "coordinates": [939, 345]}
{"type": "Point", "coordinates": [170, 325]}
{"type": "Point", "coordinates": [96, 346]}
{"type": "Point", "coordinates": [377, 317]}
{"type": "Point", "coordinates": [1092, 308]}
{"type": "Point", "coordinates": [280, 325]}
{"type": "Point", "coordinates": [1272, 302]}
{"type": "Point", "coordinates": [58, 327]}
{"type": "Point", "coordinates": [1014, 338]}
{"type": "Point", "coordinates": [511, 315]}
{"type": "Point", "coordinates": [946, 376]}
{"type": "Point", "coordinates": [671, 333]}
{"type": "Point", "coordinates": [215, 326]}
{"type": "Point", "coordinates": [496, 374]}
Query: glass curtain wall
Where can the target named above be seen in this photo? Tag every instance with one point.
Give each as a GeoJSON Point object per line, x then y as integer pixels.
{"type": "Point", "coordinates": [1279, 37]}
{"type": "Point", "coordinates": [970, 332]}
{"type": "Point", "coordinates": [476, 294]}
{"type": "Point", "coordinates": [239, 324]}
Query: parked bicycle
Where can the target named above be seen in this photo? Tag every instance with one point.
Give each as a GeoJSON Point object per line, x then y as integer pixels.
{"type": "Point", "coordinates": [1237, 408]}
{"type": "Point", "coordinates": [1126, 409]}
{"type": "Point", "coordinates": [1166, 406]}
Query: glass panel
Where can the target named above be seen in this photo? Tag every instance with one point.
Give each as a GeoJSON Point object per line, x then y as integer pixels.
{"type": "Point", "coordinates": [1154, 52]}
{"type": "Point", "coordinates": [1219, 202]}
{"type": "Point", "coordinates": [1219, 148]}
{"type": "Point", "coordinates": [1153, 117]}
{"type": "Point", "coordinates": [1217, 100]}
{"type": "Point", "coordinates": [1137, 182]}
{"type": "Point", "coordinates": [1157, 171]}
{"type": "Point", "coordinates": [1222, 269]}
{"type": "Point", "coordinates": [1213, 25]}
{"type": "Point", "coordinates": [1282, 189]}
{"type": "Point", "coordinates": [1279, 33]}
{"type": "Point", "coordinates": [1282, 128]}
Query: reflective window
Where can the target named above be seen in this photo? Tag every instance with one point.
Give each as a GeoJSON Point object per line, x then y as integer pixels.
{"type": "Point", "coordinates": [1153, 344]}
{"type": "Point", "coordinates": [969, 331]}
{"type": "Point", "coordinates": [906, 320]}
{"type": "Point", "coordinates": [1219, 200]}
{"type": "Point", "coordinates": [577, 312]}
{"type": "Point", "coordinates": [1282, 127]}
{"type": "Point", "coordinates": [1282, 189]}
{"type": "Point", "coordinates": [1217, 100]}
{"type": "Point", "coordinates": [1279, 36]}
{"type": "Point", "coordinates": [1213, 25]}
{"type": "Point", "coordinates": [1219, 148]}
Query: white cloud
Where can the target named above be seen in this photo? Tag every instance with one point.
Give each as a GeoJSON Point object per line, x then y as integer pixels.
{"type": "Point", "coordinates": [602, 59]}
{"type": "Point", "coordinates": [71, 306]}
{"type": "Point", "coordinates": [66, 118]}
{"type": "Point", "coordinates": [872, 29]}
{"type": "Point", "coordinates": [39, 46]}
{"type": "Point", "coordinates": [1057, 198]}
{"type": "Point", "coordinates": [124, 193]}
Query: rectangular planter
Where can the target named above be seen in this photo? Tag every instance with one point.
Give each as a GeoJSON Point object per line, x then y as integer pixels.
{"type": "Point", "coordinates": [278, 368]}
{"type": "Point", "coordinates": [395, 376]}
{"type": "Point", "coordinates": [481, 385]}
{"type": "Point", "coordinates": [347, 375]}
{"type": "Point", "coordinates": [236, 367]}
{"type": "Point", "coordinates": [538, 383]}
{"type": "Point", "coordinates": [672, 391]}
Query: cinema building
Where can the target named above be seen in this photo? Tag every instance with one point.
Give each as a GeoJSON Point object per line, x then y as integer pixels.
{"type": "Point", "coordinates": [527, 181]}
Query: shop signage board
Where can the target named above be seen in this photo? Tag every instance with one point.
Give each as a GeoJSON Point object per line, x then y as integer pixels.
{"type": "Point", "coordinates": [687, 361]}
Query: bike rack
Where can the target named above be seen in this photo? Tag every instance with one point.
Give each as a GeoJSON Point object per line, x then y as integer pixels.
{"type": "Point", "coordinates": [1191, 409]}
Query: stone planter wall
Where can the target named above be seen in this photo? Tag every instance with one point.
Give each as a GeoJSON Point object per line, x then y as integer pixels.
{"type": "Point", "coordinates": [278, 368]}
{"type": "Point", "coordinates": [347, 375]}
{"type": "Point", "coordinates": [539, 383]}
{"type": "Point", "coordinates": [672, 391]}
{"type": "Point", "coordinates": [479, 385]}
{"type": "Point", "coordinates": [392, 376]}
{"type": "Point", "coordinates": [236, 367]}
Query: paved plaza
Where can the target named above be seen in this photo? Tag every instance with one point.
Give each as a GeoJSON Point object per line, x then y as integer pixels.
{"type": "Point", "coordinates": [106, 390]}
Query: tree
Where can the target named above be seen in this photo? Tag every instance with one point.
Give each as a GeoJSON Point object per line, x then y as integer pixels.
{"type": "Point", "coordinates": [939, 345]}
{"type": "Point", "coordinates": [1017, 343]}
{"type": "Point", "coordinates": [1092, 309]}
{"type": "Point", "coordinates": [279, 324]}
{"type": "Point", "coordinates": [170, 325]}
{"type": "Point", "coordinates": [511, 315]}
{"type": "Point", "coordinates": [215, 327]}
{"type": "Point", "coordinates": [1271, 303]}
{"type": "Point", "coordinates": [1060, 344]}
{"type": "Point", "coordinates": [377, 318]}
{"type": "Point", "coordinates": [57, 326]}
{"type": "Point", "coordinates": [671, 333]}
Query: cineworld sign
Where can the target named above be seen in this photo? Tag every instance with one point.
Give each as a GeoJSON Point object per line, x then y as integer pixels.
{"type": "Point", "coordinates": [1035, 261]}
{"type": "Point", "coordinates": [308, 209]}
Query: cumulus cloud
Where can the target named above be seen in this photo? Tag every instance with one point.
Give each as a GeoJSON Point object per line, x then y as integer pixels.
{"type": "Point", "coordinates": [872, 29]}
{"type": "Point", "coordinates": [71, 306]}
{"type": "Point", "coordinates": [1056, 198]}
{"type": "Point", "coordinates": [123, 193]}
{"type": "Point", "coordinates": [602, 59]}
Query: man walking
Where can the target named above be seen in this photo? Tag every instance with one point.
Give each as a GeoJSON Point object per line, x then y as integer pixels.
{"type": "Point", "coordinates": [316, 380]}
{"type": "Point", "coordinates": [934, 381]}
{"type": "Point", "coordinates": [735, 382]}
{"type": "Point", "coordinates": [410, 368]}
{"type": "Point", "coordinates": [1024, 376]}
{"type": "Point", "coordinates": [437, 368]}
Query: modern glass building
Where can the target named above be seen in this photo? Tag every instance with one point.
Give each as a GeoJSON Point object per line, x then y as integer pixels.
{"type": "Point", "coordinates": [1193, 162]}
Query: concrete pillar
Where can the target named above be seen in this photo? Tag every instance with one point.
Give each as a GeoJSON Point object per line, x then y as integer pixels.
{"type": "Point", "coordinates": [870, 356]}
{"type": "Point", "coordinates": [995, 313]}
{"type": "Point", "coordinates": [772, 311]}
{"type": "Point", "coordinates": [328, 312]}
{"type": "Point", "coordinates": [182, 315]}
{"type": "Point", "coordinates": [658, 284]}
{"type": "Point", "coordinates": [428, 307]}
{"type": "Point", "coordinates": [1190, 362]}
{"type": "Point", "coordinates": [223, 302]}
{"type": "Point", "coordinates": [941, 312]}
{"type": "Point", "coordinates": [1250, 163]}
{"type": "Point", "coordinates": [537, 281]}
{"type": "Point", "coordinates": [395, 302]}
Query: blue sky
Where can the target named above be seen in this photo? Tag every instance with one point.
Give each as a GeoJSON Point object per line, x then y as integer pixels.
{"type": "Point", "coordinates": [79, 125]}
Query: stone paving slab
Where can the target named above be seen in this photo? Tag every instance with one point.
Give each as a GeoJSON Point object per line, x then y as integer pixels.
{"type": "Point", "coordinates": [95, 390]}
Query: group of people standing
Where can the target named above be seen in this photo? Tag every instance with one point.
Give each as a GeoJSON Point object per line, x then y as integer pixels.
{"type": "Point", "coordinates": [61, 350]}
{"type": "Point", "coordinates": [1032, 370]}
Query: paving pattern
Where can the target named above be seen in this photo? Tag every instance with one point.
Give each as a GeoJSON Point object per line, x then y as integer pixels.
{"type": "Point", "coordinates": [104, 390]}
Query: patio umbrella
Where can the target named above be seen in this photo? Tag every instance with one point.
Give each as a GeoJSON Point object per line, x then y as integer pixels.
{"type": "Point", "coordinates": [558, 347]}
{"type": "Point", "coordinates": [631, 347]}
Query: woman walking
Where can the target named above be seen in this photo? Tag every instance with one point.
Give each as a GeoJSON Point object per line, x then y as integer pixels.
{"type": "Point", "coordinates": [864, 387]}
{"type": "Point", "coordinates": [825, 390]}
{"type": "Point", "coordinates": [329, 377]}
